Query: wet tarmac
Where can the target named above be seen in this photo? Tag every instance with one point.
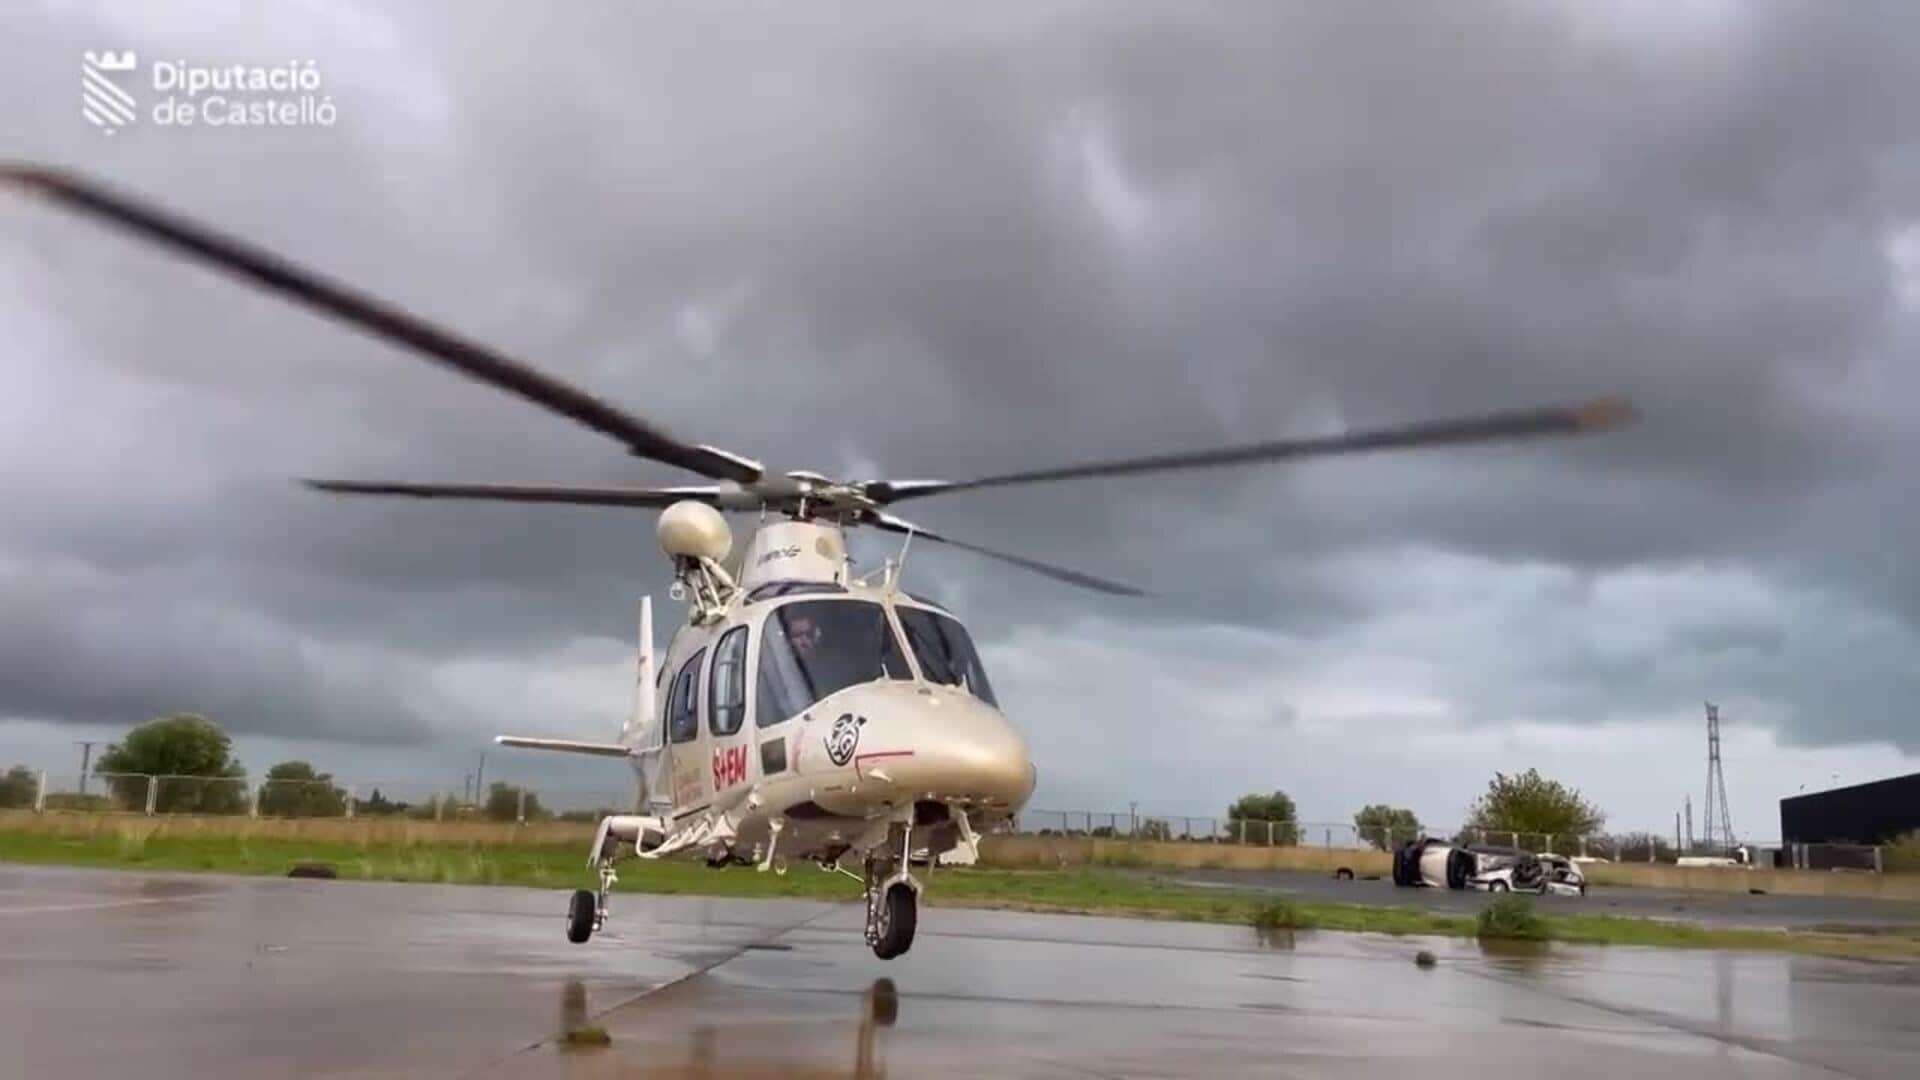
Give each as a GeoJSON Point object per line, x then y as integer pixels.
{"type": "Point", "coordinates": [113, 974]}
{"type": "Point", "coordinates": [1764, 911]}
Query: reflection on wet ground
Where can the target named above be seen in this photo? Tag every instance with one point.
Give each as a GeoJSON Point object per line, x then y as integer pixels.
{"type": "Point", "coordinates": [217, 976]}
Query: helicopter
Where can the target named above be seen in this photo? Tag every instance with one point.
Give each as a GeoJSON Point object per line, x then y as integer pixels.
{"type": "Point", "coordinates": [801, 712]}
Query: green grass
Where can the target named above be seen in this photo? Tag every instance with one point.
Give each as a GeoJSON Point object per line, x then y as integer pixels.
{"type": "Point", "coordinates": [1094, 891]}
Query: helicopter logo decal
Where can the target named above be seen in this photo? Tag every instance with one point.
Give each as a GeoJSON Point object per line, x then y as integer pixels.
{"type": "Point", "coordinates": [844, 739]}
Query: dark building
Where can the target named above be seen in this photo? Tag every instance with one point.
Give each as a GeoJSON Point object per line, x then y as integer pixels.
{"type": "Point", "coordinates": [1862, 814]}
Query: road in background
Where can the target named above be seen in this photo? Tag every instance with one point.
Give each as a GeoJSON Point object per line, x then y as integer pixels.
{"type": "Point", "coordinates": [117, 974]}
{"type": "Point", "coordinates": [1706, 908]}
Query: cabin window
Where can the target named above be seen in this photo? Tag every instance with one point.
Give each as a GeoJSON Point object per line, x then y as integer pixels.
{"type": "Point", "coordinates": [727, 688]}
{"type": "Point", "coordinates": [945, 652]}
{"type": "Point", "coordinates": [683, 704]}
{"type": "Point", "coordinates": [812, 648]}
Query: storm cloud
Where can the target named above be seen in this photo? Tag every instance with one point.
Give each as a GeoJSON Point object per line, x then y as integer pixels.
{"type": "Point", "coordinates": [948, 243]}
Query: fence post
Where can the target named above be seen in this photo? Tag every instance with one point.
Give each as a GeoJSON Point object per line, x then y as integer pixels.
{"type": "Point", "coordinates": [520, 808]}
{"type": "Point", "coordinates": [1269, 832]}
{"type": "Point", "coordinates": [349, 802]}
{"type": "Point", "coordinates": [253, 807]}
{"type": "Point", "coordinates": [153, 794]}
{"type": "Point", "coordinates": [40, 804]}
{"type": "Point", "coordinates": [1652, 846]}
{"type": "Point", "coordinates": [1329, 844]}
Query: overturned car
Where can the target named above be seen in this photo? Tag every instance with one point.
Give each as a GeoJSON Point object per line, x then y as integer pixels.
{"type": "Point", "coordinates": [1436, 864]}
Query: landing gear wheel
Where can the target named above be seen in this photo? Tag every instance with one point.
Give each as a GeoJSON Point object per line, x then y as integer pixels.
{"type": "Point", "coordinates": [899, 911]}
{"type": "Point", "coordinates": [582, 912]}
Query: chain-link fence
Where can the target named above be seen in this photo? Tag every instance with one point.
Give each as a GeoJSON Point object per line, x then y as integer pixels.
{"type": "Point", "coordinates": [1625, 848]}
{"type": "Point", "coordinates": [324, 797]}
{"type": "Point", "coordinates": [513, 801]}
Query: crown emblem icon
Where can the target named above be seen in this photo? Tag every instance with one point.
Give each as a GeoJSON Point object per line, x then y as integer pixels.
{"type": "Point", "coordinates": [112, 61]}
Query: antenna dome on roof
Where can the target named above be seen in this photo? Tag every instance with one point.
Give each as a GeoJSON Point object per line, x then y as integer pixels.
{"type": "Point", "coordinates": [693, 530]}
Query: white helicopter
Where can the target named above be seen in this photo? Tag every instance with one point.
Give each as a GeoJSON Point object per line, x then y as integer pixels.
{"type": "Point", "coordinates": [801, 712]}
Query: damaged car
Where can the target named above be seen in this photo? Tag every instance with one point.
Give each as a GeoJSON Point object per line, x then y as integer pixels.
{"type": "Point", "coordinates": [1433, 863]}
{"type": "Point", "coordinates": [1522, 871]}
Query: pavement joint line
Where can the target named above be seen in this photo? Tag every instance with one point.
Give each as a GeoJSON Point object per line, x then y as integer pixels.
{"type": "Point", "coordinates": [829, 908]}
{"type": "Point", "coordinates": [47, 908]}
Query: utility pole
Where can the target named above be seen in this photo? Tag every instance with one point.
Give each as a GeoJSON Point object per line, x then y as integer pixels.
{"type": "Point", "coordinates": [480, 779]}
{"type": "Point", "coordinates": [1689, 844]}
{"type": "Point", "coordinates": [86, 758]}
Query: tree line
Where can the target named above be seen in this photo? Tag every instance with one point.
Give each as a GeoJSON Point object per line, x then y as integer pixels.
{"type": "Point", "coordinates": [198, 774]}
{"type": "Point", "coordinates": [1525, 803]}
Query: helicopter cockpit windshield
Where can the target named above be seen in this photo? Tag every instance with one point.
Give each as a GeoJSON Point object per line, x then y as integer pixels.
{"type": "Point", "coordinates": [945, 652]}
{"type": "Point", "coordinates": [812, 648]}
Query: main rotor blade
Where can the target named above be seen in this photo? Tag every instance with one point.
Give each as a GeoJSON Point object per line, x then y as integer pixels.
{"type": "Point", "coordinates": [1598, 415]}
{"type": "Point", "coordinates": [890, 523]}
{"type": "Point", "coordinates": [639, 497]}
{"type": "Point", "coordinates": [375, 317]}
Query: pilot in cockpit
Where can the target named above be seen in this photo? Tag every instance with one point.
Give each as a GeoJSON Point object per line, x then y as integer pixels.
{"type": "Point", "coordinates": [804, 633]}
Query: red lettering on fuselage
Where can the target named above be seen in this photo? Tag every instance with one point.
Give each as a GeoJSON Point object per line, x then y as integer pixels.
{"type": "Point", "coordinates": [729, 766]}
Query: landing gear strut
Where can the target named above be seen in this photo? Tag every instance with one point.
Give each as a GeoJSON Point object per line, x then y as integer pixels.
{"type": "Point", "coordinates": [893, 898]}
{"type": "Point", "coordinates": [587, 911]}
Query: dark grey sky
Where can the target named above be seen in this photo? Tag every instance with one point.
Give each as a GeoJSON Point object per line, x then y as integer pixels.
{"type": "Point", "coordinates": [920, 241]}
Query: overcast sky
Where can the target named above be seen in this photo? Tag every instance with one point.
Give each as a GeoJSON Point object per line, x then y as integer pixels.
{"type": "Point", "coordinates": [944, 240]}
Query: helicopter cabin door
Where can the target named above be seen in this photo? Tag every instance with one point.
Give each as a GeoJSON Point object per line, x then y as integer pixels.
{"type": "Point", "coordinates": [686, 736]}
{"type": "Point", "coordinates": [728, 768]}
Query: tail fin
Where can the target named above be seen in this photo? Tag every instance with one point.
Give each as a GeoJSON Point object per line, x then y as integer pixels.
{"type": "Point", "coordinates": [641, 729]}
{"type": "Point", "coordinates": [640, 737]}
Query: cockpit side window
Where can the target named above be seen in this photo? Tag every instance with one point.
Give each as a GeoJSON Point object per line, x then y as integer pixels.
{"type": "Point", "coordinates": [945, 652]}
{"type": "Point", "coordinates": [727, 686]}
{"type": "Point", "coordinates": [812, 648]}
{"type": "Point", "coordinates": [683, 703]}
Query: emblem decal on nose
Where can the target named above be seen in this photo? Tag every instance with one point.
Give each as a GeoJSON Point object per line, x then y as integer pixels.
{"type": "Point", "coordinates": [844, 739]}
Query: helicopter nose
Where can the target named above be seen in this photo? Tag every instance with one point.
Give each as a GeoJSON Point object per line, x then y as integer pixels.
{"type": "Point", "coordinates": [971, 752]}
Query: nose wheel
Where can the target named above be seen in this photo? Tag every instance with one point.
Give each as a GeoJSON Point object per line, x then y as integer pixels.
{"type": "Point", "coordinates": [893, 900]}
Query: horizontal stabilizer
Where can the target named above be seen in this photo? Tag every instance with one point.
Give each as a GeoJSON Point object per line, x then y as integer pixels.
{"type": "Point", "coordinates": [565, 746]}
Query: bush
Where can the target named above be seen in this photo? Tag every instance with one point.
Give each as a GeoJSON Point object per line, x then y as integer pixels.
{"type": "Point", "coordinates": [504, 803]}
{"type": "Point", "coordinates": [18, 787]}
{"type": "Point", "coordinates": [1278, 915]}
{"type": "Point", "coordinates": [1511, 918]}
